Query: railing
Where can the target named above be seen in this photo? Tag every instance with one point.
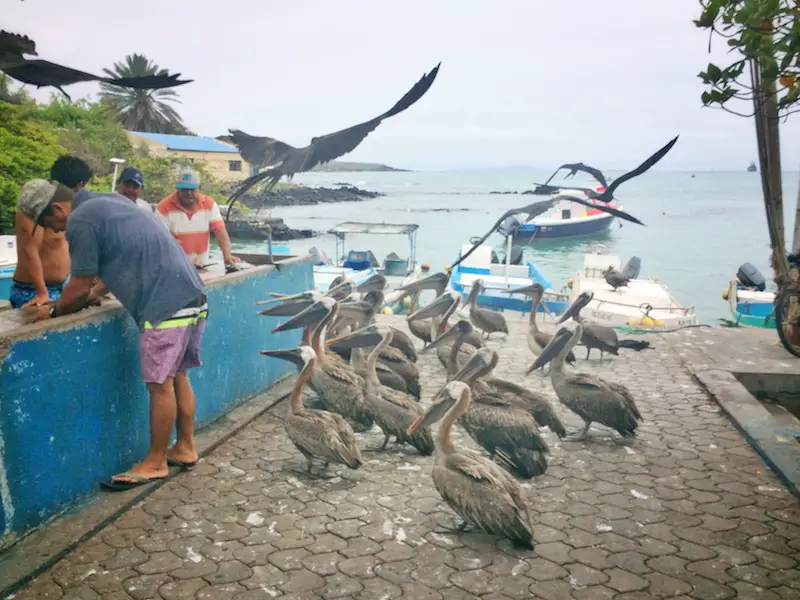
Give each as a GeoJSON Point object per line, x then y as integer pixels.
{"type": "Point", "coordinates": [671, 308]}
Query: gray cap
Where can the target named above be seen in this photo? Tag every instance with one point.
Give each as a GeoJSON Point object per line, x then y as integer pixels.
{"type": "Point", "coordinates": [37, 194]}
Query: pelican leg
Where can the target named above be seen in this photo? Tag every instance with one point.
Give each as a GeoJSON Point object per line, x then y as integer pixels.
{"type": "Point", "coordinates": [458, 527]}
{"type": "Point", "coordinates": [582, 435]}
{"type": "Point", "coordinates": [588, 351]}
{"type": "Point", "coordinates": [382, 447]}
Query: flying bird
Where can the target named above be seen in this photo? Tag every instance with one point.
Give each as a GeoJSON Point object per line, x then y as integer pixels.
{"type": "Point", "coordinates": [537, 208]}
{"type": "Point", "coordinates": [608, 194]}
{"type": "Point", "coordinates": [573, 170]}
{"type": "Point", "coordinates": [42, 73]}
{"type": "Point", "coordinates": [287, 160]}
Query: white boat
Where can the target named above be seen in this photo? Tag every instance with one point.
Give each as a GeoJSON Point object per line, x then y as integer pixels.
{"type": "Point", "coordinates": [643, 303]}
{"type": "Point", "coordinates": [8, 264]}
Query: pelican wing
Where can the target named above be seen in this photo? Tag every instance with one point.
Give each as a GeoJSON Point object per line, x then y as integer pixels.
{"type": "Point", "coordinates": [626, 396]}
{"type": "Point", "coordinates": [503, 423]}
{"type": "Point", "coordinates": [539, 406]}
{"type": "Point", "coordinates": [603, 402]}
{"type": "Point", "coordinates": [319, 432]}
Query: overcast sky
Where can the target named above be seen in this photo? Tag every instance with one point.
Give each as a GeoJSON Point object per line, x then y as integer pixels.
{"type": "Point", "coordinates": [524, 82]}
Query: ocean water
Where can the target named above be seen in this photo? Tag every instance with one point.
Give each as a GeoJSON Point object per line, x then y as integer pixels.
{"type": "Point", "coordinates": [698, 230]}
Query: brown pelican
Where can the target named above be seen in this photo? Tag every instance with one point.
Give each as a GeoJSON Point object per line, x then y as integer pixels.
{"type": "Point", "coordinates": [424, 330]}
{"type": "Point", "coordinates": [598, 336]}
{"type": "Point", "coordinates": [441, 309]}
{"type": "Point", "coordinates": [451, 347]}
{"type": "Point", "coordinates": [615, 279]}
{"type": "Point", "coordinates": [283, 159]}
{"type": "Point", "coordinates": [484, 319]}
{"type": "Point", "coordinates": [593, 399]}
{"type": "Point", "coordinates": [336, 383]}
{"type": "Point", "coordinates": [43, 73]}
{"type": "Point", "coordinates": [393, 411]}
{"type": "Point", "coordinates": [500, 423]}
{"type": "Point", "coordinates": [316, 433]}
{"type": "Point", "coordinates": [575, 167]}
{"type": "Point", "coordinates": [421, 329]}
{"type": "Point", "coordinates": [374, 283]}
{"type": "Point", "coordinates": [479, 491]}
{"type": "Point", "coordinates": [537, 339]}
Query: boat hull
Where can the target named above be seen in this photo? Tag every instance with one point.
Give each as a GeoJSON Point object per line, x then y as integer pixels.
{"type": "Point", "coordinates": [569, 228]}
{"type": "Point", "coordinates": [751, 308]}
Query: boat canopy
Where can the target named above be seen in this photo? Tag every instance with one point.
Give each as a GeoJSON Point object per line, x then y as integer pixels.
{"type": "Point", "coordinates": [358, 227]}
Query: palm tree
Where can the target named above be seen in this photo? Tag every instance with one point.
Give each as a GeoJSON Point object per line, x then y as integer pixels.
{"type": "Point", "coordinates": [141, 110]}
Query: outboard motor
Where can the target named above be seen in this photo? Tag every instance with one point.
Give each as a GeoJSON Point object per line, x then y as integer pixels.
{"type": "Point", "coordinates": [751, 277]}
{"type": "Point", "coordinates": [318, 257]}
{"type": "Point", "coordinates": [495, 258]}
{"type": "Point", "coordinates": [516, 256]}
{"type": "Point", "coordinates": [632, 268]}
{"type": "Point", "coordinates": [509, 226]}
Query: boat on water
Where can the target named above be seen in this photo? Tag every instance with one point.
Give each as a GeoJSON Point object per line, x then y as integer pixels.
{"type": "Point", "coordinates": [752, 167]}
{"type": "Point", "coordinates": [750, 303]}
{"type": "Point", "coordinates": [498, 276]}
{"type": "Point", "coordinates": [8, 264]}
{"type": "Point", "coordinates": [642, 303]}
{"type": "Point", "coordinates": [566, 219]}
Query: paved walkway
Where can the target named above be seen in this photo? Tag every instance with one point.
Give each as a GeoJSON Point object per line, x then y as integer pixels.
{"type": "Point", "coordinates": [688, 510]}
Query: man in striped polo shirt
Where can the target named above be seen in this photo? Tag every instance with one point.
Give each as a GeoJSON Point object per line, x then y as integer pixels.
{"type": "Point", "coordinates": [190, 216]}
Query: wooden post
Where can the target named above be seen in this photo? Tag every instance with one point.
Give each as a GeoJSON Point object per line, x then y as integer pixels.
{"type": "Point", "coordinates": [796, 239]}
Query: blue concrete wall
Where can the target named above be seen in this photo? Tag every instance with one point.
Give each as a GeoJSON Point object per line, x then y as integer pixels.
{"type": "Point", "coordinates": [74, 410]}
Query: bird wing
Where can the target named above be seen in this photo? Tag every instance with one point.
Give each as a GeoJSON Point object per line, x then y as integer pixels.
{"type": "Point", "coordinates": [534, 209]}
{"type": "Point", "coordinates": [260, 151]}
{"type": "Point", "coordinates": [331, 146]}
{"type": "Point", "coordinates": [609, 193]}
{"type": "Point", "coordinates": [45, 73]}
{"type": "Point", "coordinates": [596, 173]}
{"type": "Point", "coordinates": [612, 211]}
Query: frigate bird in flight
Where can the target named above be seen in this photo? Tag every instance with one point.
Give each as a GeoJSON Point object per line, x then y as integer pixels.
{"type": "Point", "coordinates": [287, 160]}
{"type": "Point", "coordinates": [573, 170]}
{"type": "Point", "coordinates": [42, 73]}
{"type": "Point", "coordinates": [537, 208]}
{"type": "Point", "coordinates": [608, 195]}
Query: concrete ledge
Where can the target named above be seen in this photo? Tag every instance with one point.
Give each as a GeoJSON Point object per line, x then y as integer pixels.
{"type": "Point", "coordinates": [37, 552]}
{"type": "Point", "coordinates": [773, 441]}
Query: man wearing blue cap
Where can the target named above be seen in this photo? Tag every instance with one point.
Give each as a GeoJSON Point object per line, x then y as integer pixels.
{"type": "Point", "coordinates": [131, 184]}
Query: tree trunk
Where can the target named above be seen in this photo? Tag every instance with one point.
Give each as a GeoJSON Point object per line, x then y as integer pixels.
{"type": "Point", "coordinates": [796, 240]}
{"type": "Point", "coordinates": [765, 103]}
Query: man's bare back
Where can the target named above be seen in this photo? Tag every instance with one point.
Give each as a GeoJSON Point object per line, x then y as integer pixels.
{"type": "Point", "coordinates": [49, 247]}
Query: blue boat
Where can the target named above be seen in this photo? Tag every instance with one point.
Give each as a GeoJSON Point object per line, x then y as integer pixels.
{"type": "Point", "coordinates": [566, 219]}
{"type": "Point", "coordinates": [498, 277]}
{"type": "Point", "coordinates": [8, 264]}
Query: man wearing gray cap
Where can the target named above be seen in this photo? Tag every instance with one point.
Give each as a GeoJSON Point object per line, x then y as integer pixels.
{"type": "Point", "coordinates": [147, 271]}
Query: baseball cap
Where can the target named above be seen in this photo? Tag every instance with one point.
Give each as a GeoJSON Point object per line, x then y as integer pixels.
{"type": "Point", "coordinates": [132, 174]}
{"type": "Point", "coordinates": [37, 194]}
{"type": "Point", "coordinates": [188, 179]}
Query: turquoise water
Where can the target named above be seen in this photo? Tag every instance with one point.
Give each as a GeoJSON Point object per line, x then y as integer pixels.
{"type": "Point", "coordinates": [699, 230]}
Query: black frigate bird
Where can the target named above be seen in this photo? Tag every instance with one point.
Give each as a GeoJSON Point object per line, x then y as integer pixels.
{"type": "Point", "coordinates": [42, 73]}
{"type": "Point", "coordinates": [537, 208]}
{"type": "Point", "coordinates": [575, 167]}
{"type": "Point", "coordinates": [608, 194]}
{"type": "Point", "coordinates": [287, 160]}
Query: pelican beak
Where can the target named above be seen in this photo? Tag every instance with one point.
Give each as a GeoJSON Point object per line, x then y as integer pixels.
{"type": "Point", "coordinates": [473, 367]}
{"type": "Point", "coordinates": [284, 297]}
{"type": "Point", "coordinates": [431, 282]}
{"type": "Point", "coordinates": [366, 336]}
{"type": "Point", "coordinates": [376, 283]}
{"type": "Point", "coordinates": [451, 334]}
{"type": "Point", "coordinates": [576, 307]}
{"type": "Point", "coordinates": [528, 290]}
{"type": "Point", "coordinates": [341, 291]}
{"type": "Point", "coordinates": [435, 308]}
{"type": "Point", "coordinates": [357, 311]}
{"type": "Point", "coordinates": [435, 412]}
{"type": "Point", "coordinates": [309, 316]}
{"type": "Point", "coordinates": [292, 355]}
{"type": "Point", "coordinates": [551, 350]}
{"type": "Point", "coordinates": [288, 308]}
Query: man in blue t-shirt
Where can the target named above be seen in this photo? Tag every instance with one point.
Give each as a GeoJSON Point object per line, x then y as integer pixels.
{"type": "Point", "coordinates": [140, 262]}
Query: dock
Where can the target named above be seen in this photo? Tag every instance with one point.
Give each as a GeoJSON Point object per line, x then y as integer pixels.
{"type": "Point", "coordinates": [700, 505]}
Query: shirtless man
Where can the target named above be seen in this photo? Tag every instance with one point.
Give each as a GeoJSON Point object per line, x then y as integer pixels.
{"type": "Point", "coordinates": [43, 258]}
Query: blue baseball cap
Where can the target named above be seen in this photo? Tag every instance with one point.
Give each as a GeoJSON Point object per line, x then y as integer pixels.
{"type": "Point", "coordinates": [132, 174]}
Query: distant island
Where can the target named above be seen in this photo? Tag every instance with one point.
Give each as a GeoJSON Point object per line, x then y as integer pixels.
{"type": "Point", "coordinates": [338, 166]}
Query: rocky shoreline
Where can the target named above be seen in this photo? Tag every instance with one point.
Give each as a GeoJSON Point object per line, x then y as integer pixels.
{"type": "Point", "coordinates": [249, 225]}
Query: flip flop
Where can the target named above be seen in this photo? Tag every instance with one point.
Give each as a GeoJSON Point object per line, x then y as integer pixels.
{"type": "Point", "coordinates": [119, 486]}
{"type": "Point", "coordinates": [174, 462]}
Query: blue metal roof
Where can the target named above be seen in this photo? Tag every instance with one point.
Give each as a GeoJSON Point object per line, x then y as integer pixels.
{"type": "Point", "coordinates": [190, 143]}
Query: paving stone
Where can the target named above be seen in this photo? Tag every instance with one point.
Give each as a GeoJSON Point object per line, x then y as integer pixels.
{"type": "Point", "coordinates": [106, 582]}
{"type": "Point", "coordinates": [287, 560]}
{"type": "Point", "coordinates": [228, 572]}
{"type": "Point", "coordinates": [475, 582]}
{"type": "Point", "coordinates": [597, 558]}
{"type": "Point", "coordinates": [181, 590]}
{"type": "Point", "coordinates": [622, 581]}
{"type": "Point", "coordinates": [378, 588]}
{"type": "Point", "coordinates": [582, 576]}
{"type": "Point", "coordinates": [145, 586]}
{"type": "Point", "coordinates": [302, 581]}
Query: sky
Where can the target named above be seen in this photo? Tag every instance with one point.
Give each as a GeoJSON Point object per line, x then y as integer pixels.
{"type": "Point", "coordinates": [524, 82]}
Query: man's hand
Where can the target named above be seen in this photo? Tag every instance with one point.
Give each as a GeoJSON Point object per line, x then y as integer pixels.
{"type": "Point", "coordinates": [37, 300]}
{"type": "Point", "coordinates": [42, 313]}
{"type": "Point", "coordinates": [232, 260]}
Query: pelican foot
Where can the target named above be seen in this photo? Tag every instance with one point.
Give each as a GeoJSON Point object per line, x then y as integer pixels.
{"type": "Point", "coordinates": [457, 528]}
{"type": "Point", "coordinates": [581, 435]}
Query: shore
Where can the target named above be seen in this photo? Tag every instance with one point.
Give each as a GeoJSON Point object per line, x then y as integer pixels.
{"type": "Point", "coordinates": [255, 223]}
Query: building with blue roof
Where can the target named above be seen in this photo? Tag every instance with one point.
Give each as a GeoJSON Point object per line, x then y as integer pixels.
{"type": "Point", "coordinates": [221, 159]}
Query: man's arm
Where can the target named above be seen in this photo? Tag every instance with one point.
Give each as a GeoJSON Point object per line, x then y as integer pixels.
{"type": "Point", "coordinates": [28, 245]}
{"type": "Point", "coordinates": [221, 234]}
{"type": "Point", "coordinates": [74, 297]}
